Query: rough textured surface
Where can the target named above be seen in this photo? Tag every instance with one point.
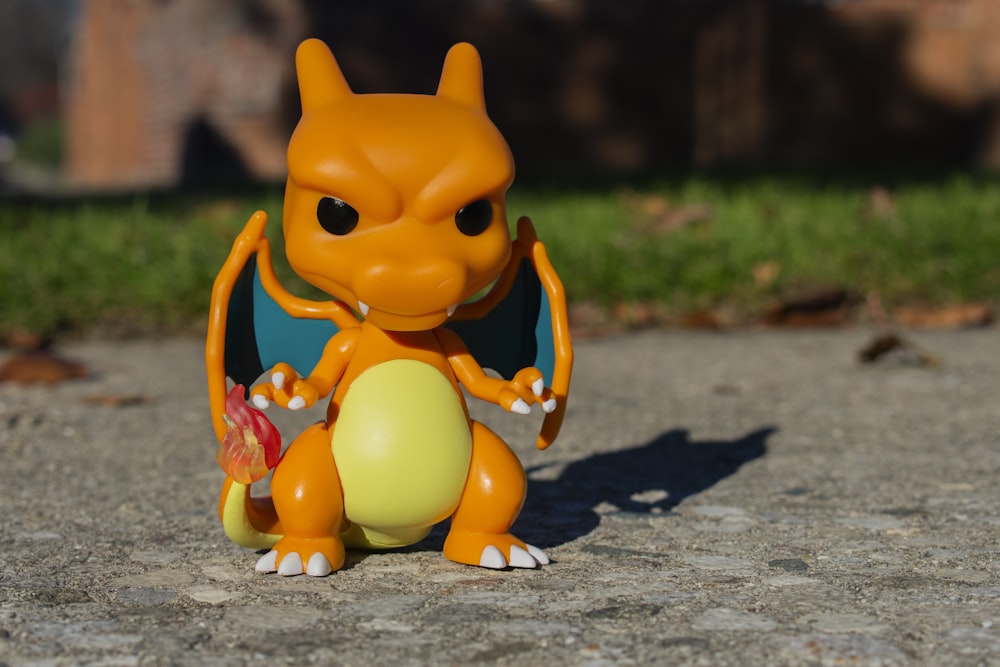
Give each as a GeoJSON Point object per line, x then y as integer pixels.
{"type": "Point", "coordinates": [730, 499]}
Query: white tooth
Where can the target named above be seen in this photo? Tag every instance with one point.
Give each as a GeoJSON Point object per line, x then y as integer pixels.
{"type": "Point", "coordinates": [452, 309]}
{"type": "Point", "coordinates": [363, 307]}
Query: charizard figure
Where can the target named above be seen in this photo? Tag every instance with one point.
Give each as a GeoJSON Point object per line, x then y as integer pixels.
{"type": "Point", "coordinates": [394, 207]}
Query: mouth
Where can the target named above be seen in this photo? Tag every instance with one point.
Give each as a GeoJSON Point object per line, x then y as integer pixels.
{"type": "Point", "coordinates": [395, 321]}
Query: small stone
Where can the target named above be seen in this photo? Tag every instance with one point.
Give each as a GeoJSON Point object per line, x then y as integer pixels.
{"type": "Point", "coordinates": [788, 564]}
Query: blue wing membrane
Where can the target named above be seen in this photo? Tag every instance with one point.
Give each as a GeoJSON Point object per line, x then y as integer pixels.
{"type": "Point", "coordinates": [259, 333]}
{"type": "Point", "coordinates": [517, 333]}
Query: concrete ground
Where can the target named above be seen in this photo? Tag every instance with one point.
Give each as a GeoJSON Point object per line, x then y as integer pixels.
{"type": "Point", "coordinates": [745, 498]}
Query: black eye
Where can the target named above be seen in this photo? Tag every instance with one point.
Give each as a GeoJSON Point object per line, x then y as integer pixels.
{"type": "Point", "coordinates": [336, 216]}
{"type": "Point", "coordinates": [475, 218]}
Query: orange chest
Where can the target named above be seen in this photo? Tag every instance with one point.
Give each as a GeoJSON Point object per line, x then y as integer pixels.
{"type": "Point", "coordinates": [375, 346]}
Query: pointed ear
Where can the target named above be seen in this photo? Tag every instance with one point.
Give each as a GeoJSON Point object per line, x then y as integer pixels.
{"type": "Point", "coordinates": [320, 79]}
{"type": "Point", "coordinates": [462, 77]}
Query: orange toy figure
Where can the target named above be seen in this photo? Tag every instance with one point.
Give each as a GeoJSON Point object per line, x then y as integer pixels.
{"type": "Point", "coordinates": [394, 207]}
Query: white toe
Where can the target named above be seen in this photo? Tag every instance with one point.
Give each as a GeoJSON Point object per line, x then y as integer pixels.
{"type": "Point", "coordinates": [278, 380]}
{"type": "Point", "coordinates": [267, 563]}
{"type": "Point", "coordinates": [492, 558]}
{"type": "Point", "coordinates": [538, 386]}
{"type": "Point", "coordinates": [521, 558]}
{"type": "Point", "coordinates": [520, 407]}
{"type": "Point", "coordinates": [297, 403]}
{"type": "Point", "coordinates": [549, 405]}
{"type": "Point", "coordinates": [538, 554]}
{"type": "Point", "coordinates": [260, 401]}
{"type": "Point", "coordinates": [318, 565]}
{"type": "Point", "coordinates": [291, 565]}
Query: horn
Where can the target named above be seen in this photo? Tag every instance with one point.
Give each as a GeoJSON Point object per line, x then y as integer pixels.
{"type": "Point", "coordinates": [320, 79]}
{"type": "Point", "coordinates": [462, 76]}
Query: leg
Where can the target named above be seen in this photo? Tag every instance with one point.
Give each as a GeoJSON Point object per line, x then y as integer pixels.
{"type": "Point", "coordinates": [310, 504]}
{"type": "Point", "coordinates": [490, 503]}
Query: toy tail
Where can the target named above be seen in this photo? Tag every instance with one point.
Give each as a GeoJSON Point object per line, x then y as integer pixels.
{"type": "Point", "coordinates": [249, 522]}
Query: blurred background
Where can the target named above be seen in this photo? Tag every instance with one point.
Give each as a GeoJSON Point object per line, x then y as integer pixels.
{"type": "Point", "coordinates": [705, 130]}
{"type": "Point", "coordinates": [157, 93]}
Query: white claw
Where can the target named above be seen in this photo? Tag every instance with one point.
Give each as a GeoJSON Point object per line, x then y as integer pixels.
{"type": "Point", "coordinates": [278, 379]}
{"type": "Point", "coordinates": [452, 309]}
{"type": "Point", "coordinates": [297, 403]}
{"type": "Point", "coordinates": [520, 407]}
{"type": "Point", "coordinates": [291, 565]}
{"type": "Point", "coordinates": [363, 307]}
{"type": "Point", "coordinates": [549, 405]}
{"type": "Point", "coordinates": [318, 565]}
{"type": "Point", "coordinates": [521, 558]}
{"type": "Point", "coordinates": [260, 401]}
{"type": "Point", "coordinates": [538, 386]}
{"type": "Point", "coordinates": [537, 554]}
{"type": "Point", "coordinates": [267, 563]}
{"type": "Point", "coordinates": [492, 558]}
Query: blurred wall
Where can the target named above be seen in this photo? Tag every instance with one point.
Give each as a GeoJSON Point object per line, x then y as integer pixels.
{"type": "Point", "coordinates": [165, 92]}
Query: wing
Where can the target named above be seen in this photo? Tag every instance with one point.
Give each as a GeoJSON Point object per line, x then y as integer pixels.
{"type": "Point", "coordinates": [259, 333]}
{"type": "Point", "coordinates": [249, 331]}
{"type": "Point", "coordinates": [523, 322]}
{"type": "Point", "coordinates": [506, 339]}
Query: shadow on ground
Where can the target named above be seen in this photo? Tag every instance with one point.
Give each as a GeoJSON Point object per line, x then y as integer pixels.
{"type": "Point", "coordinates": [649, 479]}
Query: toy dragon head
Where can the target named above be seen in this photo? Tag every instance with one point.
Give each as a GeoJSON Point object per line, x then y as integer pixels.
{"type": "Point", "coordinates": [395, 202]}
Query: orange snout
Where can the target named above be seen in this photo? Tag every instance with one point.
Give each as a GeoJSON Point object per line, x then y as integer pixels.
{"type": "Point", "coordinates": [411, 294]}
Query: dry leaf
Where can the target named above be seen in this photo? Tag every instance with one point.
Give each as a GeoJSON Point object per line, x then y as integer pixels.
{"type": "Point", "coordinates": [118, 400]}
{"type": "Point", "coordinates": [636, 314]}
{"type": "Point", "coordinates": [766, 273]}
{"type": "Point", "coordinates": [895, 346]}
{"type": "Point", "coordinates": [879, 204]}
{"type": "Point", "coordinates": [679, 218]}
{"type": "Point", "coordinates": [655, 214]}
{"type": "Point", "coordinates": [702, 319]}
{"type": "Point", "coordinates": [949, 317]}
{"type": "Point", "coordinates": [40, 366]}
{"type": "Point", "coordinates": [823, 308]}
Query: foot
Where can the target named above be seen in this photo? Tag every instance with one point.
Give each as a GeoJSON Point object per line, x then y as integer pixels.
{"type": "Point", "coordinates": [492, 551]}
{"type": "Point", "coordinates": [316, 557]}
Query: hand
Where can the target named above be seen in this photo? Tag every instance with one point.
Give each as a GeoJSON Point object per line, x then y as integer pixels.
{"type": "Point", "coordinates": [286, 389]}
{"type": "Point", "coordinates": [525, 389]}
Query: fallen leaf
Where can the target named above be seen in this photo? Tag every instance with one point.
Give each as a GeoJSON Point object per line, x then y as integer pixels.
{"type": "Point", "coordinates": [822, 308]}
{"type": "Point", "coordinates": [892, 345]}
{"type": "Point", "coordinates": [655, 214]}
{"type": "Point", "coordinates": [118, 400]}
{"type": "Point", "coordinates": [766, 273]}
{"type": "Point", "coordinates": [588, 319]}
{"type": "Point", "coordinates": [702, 319]}
{"type": "Point", "coordinates": [636, 313]}
{"type": "Point", "coordinates": [42, 366]}
{"type": "Point", "coordinates": [880, 204]}
{"type": "Point", "coordinates": [949, 317]}
{"type": "Point", "coordinates": [678, 218]}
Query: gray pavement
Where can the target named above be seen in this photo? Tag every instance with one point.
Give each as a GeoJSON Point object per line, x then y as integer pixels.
{"type": "Point", "coordinates": [745, 498]}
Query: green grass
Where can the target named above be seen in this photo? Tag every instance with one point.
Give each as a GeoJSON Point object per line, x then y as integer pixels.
{"type": "Point", "coordinates": [146, 264]}
{"type": "Point", "coordinates": [939, 243]}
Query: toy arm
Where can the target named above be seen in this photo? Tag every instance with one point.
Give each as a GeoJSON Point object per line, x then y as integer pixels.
{"type": "Point", "coordinates": [527, 246]}
{"type": "Point", "coordinates": [290, 391]}
{"type": "Point", "coordinates": [514, 395]}
{"type": "Point", "coordinates": [334, 311]}
{"type": "Point", "coordinates": [252, 245]}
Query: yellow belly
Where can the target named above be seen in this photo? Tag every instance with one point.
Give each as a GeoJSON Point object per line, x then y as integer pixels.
{"type": "Point", "coordinates": [402, 445]}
